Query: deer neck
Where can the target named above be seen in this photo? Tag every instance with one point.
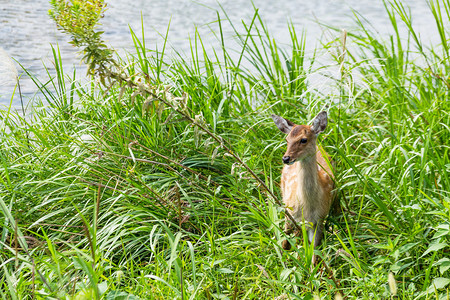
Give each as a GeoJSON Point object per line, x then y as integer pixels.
{"type": "Point", "coordinates": [308, 181]}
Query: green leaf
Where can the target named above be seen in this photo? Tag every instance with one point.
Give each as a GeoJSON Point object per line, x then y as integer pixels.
{"type": "Point", "coordinates": [407, 247]}
{"type": "Point", "coordinates": [284, 275]}
{"type": "Point", "coordinates": [225, 271]}
{"type": "Point", "coordinates": [102, 287]}
{"type": "Point", "coordinates": [117, 295]}
{"type": "Point", "coordinates": [444, 264]}
{"type": "Point", "coordinates": [435, 247]}
{"type": "Point", "coordinates": [438, 283]}
{"type": "Point", "coordinates": [442, 230]}
{"type": "Point", "coordinates": [399, 266]}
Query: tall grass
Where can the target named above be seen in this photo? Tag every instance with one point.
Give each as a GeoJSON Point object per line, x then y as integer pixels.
{"type": "Point", "coordinates": [116, 196]}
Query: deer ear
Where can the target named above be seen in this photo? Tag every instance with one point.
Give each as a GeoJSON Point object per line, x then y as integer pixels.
{"type": "Point", "coordinates": [320, 122]}
{"type": "Point", "coordinates": [283, 124]}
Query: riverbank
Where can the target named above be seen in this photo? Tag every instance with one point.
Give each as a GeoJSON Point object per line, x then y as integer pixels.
{"type": "Point", "coordinates": [105, 193]}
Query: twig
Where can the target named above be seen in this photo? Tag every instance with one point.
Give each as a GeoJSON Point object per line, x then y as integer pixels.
{"type": "Point", "coordinates": [330, 273]}
{"type": "Point", "coordinates": [147, 90]}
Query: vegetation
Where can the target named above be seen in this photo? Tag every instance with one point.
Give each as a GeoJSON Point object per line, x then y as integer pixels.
{"type": "Point", "coordinates": [159, 179]}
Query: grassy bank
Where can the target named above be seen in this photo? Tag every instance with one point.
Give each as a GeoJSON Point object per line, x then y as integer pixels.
{"type": "Point", "coordinates": [108, 194]}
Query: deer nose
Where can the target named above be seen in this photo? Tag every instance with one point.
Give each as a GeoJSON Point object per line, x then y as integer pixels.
{"type": "Point", "coordinates": [286, 159]}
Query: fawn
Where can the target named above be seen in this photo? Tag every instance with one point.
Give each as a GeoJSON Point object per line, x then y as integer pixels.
{"type": "Point", "coordinates": [307, 180]}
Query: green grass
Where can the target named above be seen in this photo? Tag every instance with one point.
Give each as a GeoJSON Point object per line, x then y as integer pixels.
{"type": "Point", "coordinates": [105, 194]}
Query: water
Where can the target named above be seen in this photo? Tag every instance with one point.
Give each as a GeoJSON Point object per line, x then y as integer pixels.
{"type": "Point", "coordinates": [27, 33]}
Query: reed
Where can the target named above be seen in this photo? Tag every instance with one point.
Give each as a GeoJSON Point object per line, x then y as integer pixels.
{"type": "Point", "coordinates": [121, 194]}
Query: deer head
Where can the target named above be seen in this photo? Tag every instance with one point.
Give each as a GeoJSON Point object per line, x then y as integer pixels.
{"type": "Point", "coordinates": [301, 139]}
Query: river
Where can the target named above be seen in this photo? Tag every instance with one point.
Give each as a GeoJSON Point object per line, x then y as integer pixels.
{"type": "Point", "coordinates": [27, 32]}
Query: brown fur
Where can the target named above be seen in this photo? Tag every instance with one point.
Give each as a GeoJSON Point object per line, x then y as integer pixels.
{"type": "Point", "coordinates": [307, 184]}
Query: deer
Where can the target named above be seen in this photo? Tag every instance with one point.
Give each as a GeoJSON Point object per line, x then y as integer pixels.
{"type": "Point", "coordinates": [307, 180]}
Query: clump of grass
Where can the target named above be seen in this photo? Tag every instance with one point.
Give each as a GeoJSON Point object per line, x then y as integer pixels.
{"type": "Point", "coordinates": [121, 193]}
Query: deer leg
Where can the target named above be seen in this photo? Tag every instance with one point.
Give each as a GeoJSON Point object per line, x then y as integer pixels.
{"type": "Point", "coordinates": [288, 226]}
{"type": "Point", "coordinates": [316, 233]}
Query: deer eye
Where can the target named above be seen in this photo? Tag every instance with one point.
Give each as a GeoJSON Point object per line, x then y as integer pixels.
{"type": "Point", "coordinates": [303, 141]}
